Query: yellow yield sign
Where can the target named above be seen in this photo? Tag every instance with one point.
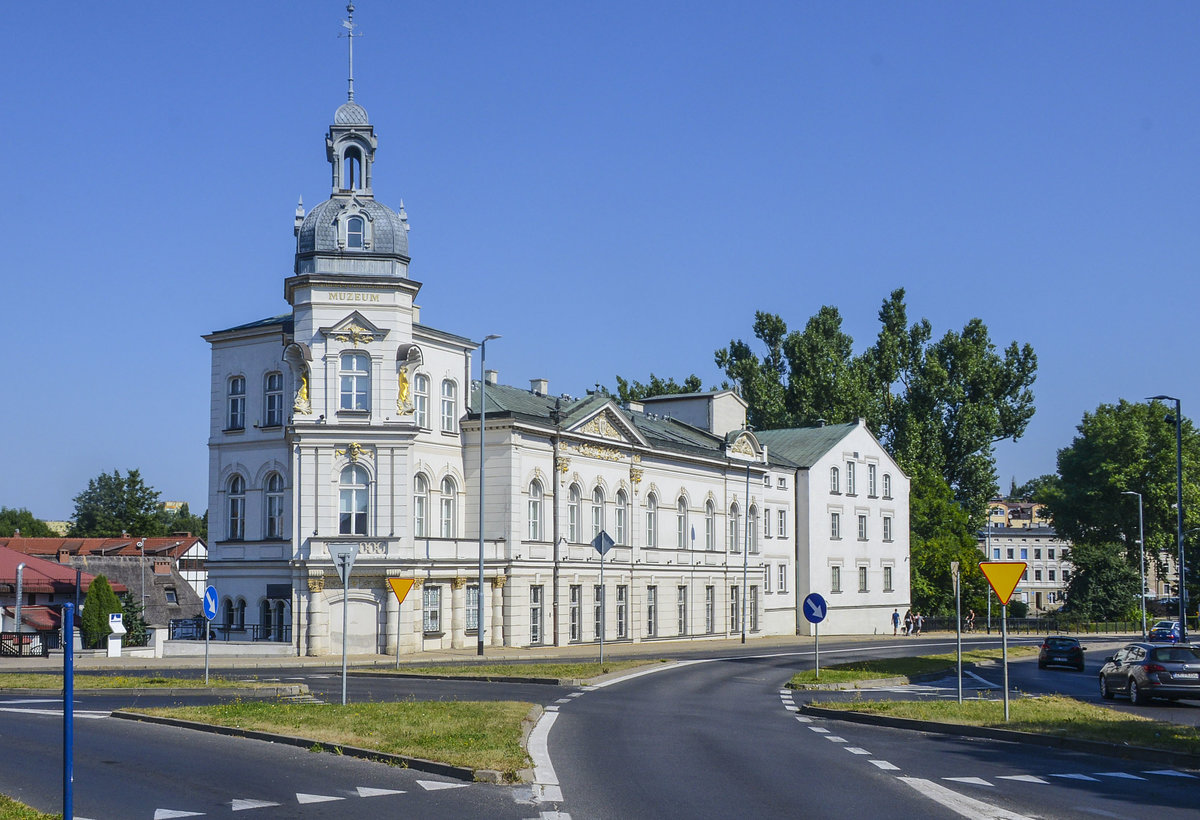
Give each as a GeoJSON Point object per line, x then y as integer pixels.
{"type": "Point", "coordinates": [1003, 576]}
{"type": "Point", "coordinates": [400, 586]}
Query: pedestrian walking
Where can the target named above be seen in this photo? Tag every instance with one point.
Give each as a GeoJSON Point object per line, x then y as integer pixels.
{"type": "Point", "coordinates": [971, 621]}
{"type": "Point", "coordinates": [918, 622]}
{"type": "Point", "coordinates": [908, 622]}
{"type": "Point", "coordinates": [895, 621]}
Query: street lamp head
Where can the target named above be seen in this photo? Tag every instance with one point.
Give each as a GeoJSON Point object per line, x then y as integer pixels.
{"type": "Point", "coordinates": [1161, 398]}
{"type": "Point", "coordinates": [491, 336]}
{"type": "Point", "coordinates": [1130, 492]}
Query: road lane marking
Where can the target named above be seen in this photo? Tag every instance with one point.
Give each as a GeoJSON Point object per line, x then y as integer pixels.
{"type": "Point", "coordinates": [857, 750]}
{"type": "Point", "coordinates": [970, 781]}
{"type": "Point", "coordinates": [819, 730]}
{"type": "Point", "coordinates": [242, 804]}
{"type": "Point", "coordinates": [1122, 775]}
{"type": "Point", "coordinates": [302, 798]}
{"type": "Point", "coordinates": [366, 791]}
{"type": "Point", "coordinates": [1076, 777]}
{"type": "Point", "coordinates": [79, 713]}
{"type": "Point", "coordinates": [803, 718]}
{"type": "Point", "coordinates": [835, 739]}
{"type": "Point", "coordinates": [437, 785]}
{"type": "Point", "coordinates": [1023, 778]}
{"type": "Point", "coordinates": [959, 803]}
{"type": "Point", "coordinates": [883, 764]}
{"type": "Point", "coordinates": [545, 780]}
{"type": "Point", "coordinates": [1170, 773]}
{"type": "Point", "coordinates": [652, 670]}
{"type": "Point", "coordinates": [170, 814]}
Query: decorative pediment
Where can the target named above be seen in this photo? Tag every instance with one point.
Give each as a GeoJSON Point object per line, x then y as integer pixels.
{"type": "Point", "coordinates": [356, 330]}
{"type": "Point", "coordinates": [604, 425]}
{"type": "Point", "coordinates": [742, 444]}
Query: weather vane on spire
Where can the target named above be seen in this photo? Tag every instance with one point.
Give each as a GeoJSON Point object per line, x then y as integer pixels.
{"type": "Point", "coordinates": [350, 35]}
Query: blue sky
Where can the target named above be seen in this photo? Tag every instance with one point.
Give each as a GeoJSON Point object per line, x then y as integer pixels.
{"type": "Point", "coordinates": [614, 187]}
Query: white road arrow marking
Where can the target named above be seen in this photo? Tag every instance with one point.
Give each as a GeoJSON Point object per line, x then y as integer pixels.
{"type": "Point", "coordinates": [1122, 775]}
{"type": "Point", "coordinates": [434, 785]}
{"type": "Point", "coordinates": [1170, 773]}
{"type": "Point", "coordinates": [241, 804]}
{"type": "Point", "coordinates": [364, 791]}
{"type": "Point", "coordinates": [315, 798]}
{"type": "Point", "coordinates": [1022, 778]}
{"type": "Point", "coordinates": [960, 803]}
{"type": "Point", "coordinates": [168, 814]}
{"type": "Point", "coordinates": [1076, 777]}
{"type": "Point", "coordinates": [970, 781]}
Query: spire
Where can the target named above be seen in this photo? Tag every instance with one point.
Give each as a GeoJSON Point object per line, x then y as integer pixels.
{"type": "Point", "coordinates": [349, 26]}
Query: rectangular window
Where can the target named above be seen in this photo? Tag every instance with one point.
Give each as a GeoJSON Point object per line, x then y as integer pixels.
{"type": "Point", "coordinates": [862, 579]}
{"type": "Point", "coordinates": [355, 381]}
{"type": "Point", "coordinates": [781, 483]}
{"type": "Point", "coordinates": [887, 528]}
{"type": "Point", "coordinates": [172, 597]}
{"type": "Point", "coordinates": [1050, 554]}
{"type": "Point", "coordinates": [766, 480]}
{"type": "Point", "coordinates": [735, 618]}
{"type": "Point", "coordinates": [1010, 553]}
{"type": "Point", "coordinates": [622, 611]}
{"type": "Point", "coordinates": [274, 400]}
{"type": "Point", "coordinates": [621, 520]}
{"type": "Point", "coordinates": [887, 579]}
{"type": "Point", "coordinates": [752, 603]}
{"type": "Point", "coordinates": [1037, 554]}
{"type": "Point", "coordinates": [576, 615]}
{"type": "Point", "coordinates": [995, 553]}
{"type": "Point", "coordinates": [835, 525]}
{"type": "Point", "coordinates": [473, 609]}
{"type": "Point", "coordinates": [651, 612]}
{"type": "Point", "coordinates": [783, 523]}
{"type": "Point", "coordinates": [1050, 574]}
{"type": "Point", "coordinates": [431, 601]}
{"type": "Point", "coordinates": [767, 523]}
{"type": "Point", "coordinates": [783, 574]}
{"type": "Point", "coordinates": [767, 579]}
{"type": "Point", "coordinates": [850, 478]}
{"type": "Point", "coordinates": [871, 480]}
{"type": "Point", "coordinates": [1037, 575]}
{"type": "Point", "coordinates": [862, 528]}
{"type": "Point", "coordinates": [449, 409]}
{"type": "Point", "coordinates": [1024, 553]}
{"type": "Point", "coordinates": [681, 614]}
{"type": "Point", "coordinates": [710, 609]}
{"type": "Point", "coordinates": [237, 404]}
{"type": "Point", "coordinates": [421, 401]}
{"type": "Point", "coordinates": [598, 611]}
{"type": "Point", "coordinates": [835, 579]}
{"type": "Point", "coordinates": [535, 614]}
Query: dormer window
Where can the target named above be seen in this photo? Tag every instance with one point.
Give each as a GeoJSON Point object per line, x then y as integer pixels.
{"type": "Point", "coordinates": [354, 232]}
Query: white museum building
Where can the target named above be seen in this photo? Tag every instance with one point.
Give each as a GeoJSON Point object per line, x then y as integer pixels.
{"type": "Point", "coordinates": [348, 421]}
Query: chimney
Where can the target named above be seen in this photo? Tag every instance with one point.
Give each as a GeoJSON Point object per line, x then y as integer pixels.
{"type": "Point", "coordinates": [162, 566]}
{"type": "Point", "coordinates": [491, 376]}
{"type": "Point", "coordinates": [539, 387]}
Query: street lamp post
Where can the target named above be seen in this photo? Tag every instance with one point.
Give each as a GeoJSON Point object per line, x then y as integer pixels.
{"type": "Point", "coordinates": [1141, 556]}
{"type": "Point", "coordinates": [482, 422]}
{"type": "Point", "coordinates": [1178, 421]}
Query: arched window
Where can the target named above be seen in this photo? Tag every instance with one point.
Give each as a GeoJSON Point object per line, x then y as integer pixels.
{"type": "Point", "coordinates": [236, 419]}
{"type": "Point", "coordinates": [356, 381]}
{"type": "Point", "coordinates": [236, 499]}
{"type": "Point", "coordinates": [449, 406]}
{"type": "Point", "coordinates": [735, 527]}
{"type": "Point", "coordinates": [835, 484]}
{"type": "Point", "coordinates": [710, 526]}
{"type": "Point", "coordinates": [752, 530]}
{"type": "Point", "coordinates": [449, 505]}
{"type": "Point", "coordinates": [421, 401]}
{"type": "Point", "coordinates": [264, 619]}
{"type": "Point", "coordinates": [681, 523]}
{"type": "Point", "coordinates": [352, 501]}
{"type": "Point", "coordinates": [227, 614]}
{"type": "Point", "coordinates": [651, 520]}
{"type": "Point", "coordinates": [887, 485]}
{"type": "Point", "coordinates": [273, 399]}
{"type": "Point", "coordinates": [420, 506]}
{"type": "Point", "coordinates": [597, 511]}
{"type": "Point", "coordinates": [352, 169]}
{"type": "Point", "coordinates": [239, 614]}
{"type": "Point", "coordinates": [535, 510]}
{"type": "Point", "coordinates": [574, 503]}
{"type": "Point", "coordinates": [622, 518]}
{"type": "Point", "coordinates": [354, 232]}
{"type": "Point", "coordinates": [273, 489]}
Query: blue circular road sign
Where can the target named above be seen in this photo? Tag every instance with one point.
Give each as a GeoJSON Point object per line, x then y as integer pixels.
{"type": "Point", "coordinates": [210, 602]}
{"type": "Point", "coordinates": [815, 608]}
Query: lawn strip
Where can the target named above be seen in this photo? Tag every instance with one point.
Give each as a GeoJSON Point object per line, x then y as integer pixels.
{"type": "Point", "coordinates": [12, 810]}
{"type": "Point", "coordinates": [34, 680]}
{"type": "Point", "coordinates": [908, 667]}
{"type": "Point", "coordinates": [514, 671]}
{"type": "Point", "coordinates": [1052, 715]}
{"type": "Point", "coordinates": [472, 735]}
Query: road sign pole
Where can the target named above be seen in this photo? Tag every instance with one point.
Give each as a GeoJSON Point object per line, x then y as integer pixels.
{"type": "Point", "coordinates": [817, 648]}
{"type": "Point", "coordinates": [68, 631]}
{"type": "Point", "coordinates": [603, 604]}
{"type": "Point", "coordinates": [345, 617]}
{"type": "Point", "coordinates": [1004, 653]}
{"type": "Point", "coordinates": [207, 629]}
{"type": "Point", "coordinates": [954, 566]}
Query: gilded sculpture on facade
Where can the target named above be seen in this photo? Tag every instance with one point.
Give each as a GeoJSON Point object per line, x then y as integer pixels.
{"type": "Point", "coordinates": [302, 405]}
{"type": "Point", "coordinates": [355, 334]}
{"type": "Point", "coordinates": [354, 451]}
{"type": "Point", "coordinates": [404, 404]}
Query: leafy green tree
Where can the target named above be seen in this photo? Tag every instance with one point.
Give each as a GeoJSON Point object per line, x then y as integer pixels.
{"type": "Point", "coordinates": [22, 519]}
{"type": "Point", "coordinates": [636, 391]}
{"type": "Point", "coordinates": [100, 602]}
{"type": "Point", "coordinates": [1104, 585]}
{"type": "Point", "coordinates": [113, 504]}
{"type": "Point", "coordinates": [1035, 489]}
{"type": "Point", "coordinates": [182, 520]}
{"type": "Point", "coordinates": [136, 631]}
{"type": "Point", "coordinates": [940, 533]}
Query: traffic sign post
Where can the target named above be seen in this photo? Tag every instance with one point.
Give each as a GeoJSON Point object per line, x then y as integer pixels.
{"type": "Point", "coordinates": [1003, 577]}
{"type": "Point", "coordinates": [815, 610]}
{"type": "Point", "coordinates": [400, 588]}
{"type": "Point", "coordinates": [603, 543]}
{"type": "Point", "coordinates": [210, 612]}
{"type": "Point", "coordinates": [343, 556]}
{"type": "Point", "coordinates": [957, 621]}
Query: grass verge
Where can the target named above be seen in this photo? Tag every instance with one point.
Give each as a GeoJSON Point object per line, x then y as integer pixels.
{"type": "Point", "coordinates": [900, 667]}
{"type": "Point", "coordinates": [12, 810]}
{"type": "Point", "coordinates": [34, 680]}
{"type": "Point", "coordinates": [562, 671]}
{"type": "Point", "coordinates": [1048, 715]}
{"type": "Point", "coordinates": [475, 735]}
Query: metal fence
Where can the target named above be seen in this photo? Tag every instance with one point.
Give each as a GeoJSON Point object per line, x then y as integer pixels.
{"type": "Point", "coordinates": [1044, 626]}
{"type": "Point", "coordinates": [192, 629]}
{"type": "Point", "coordinates": [28, 644]}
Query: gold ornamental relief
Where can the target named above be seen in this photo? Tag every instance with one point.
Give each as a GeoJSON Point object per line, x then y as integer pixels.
{"type": "Point", "coordinates": [498, 581]}
{"type": "Point", "coordinates": [742, 447]}
{"type": "Point", "coordinates": [316, 584]}
{"type": "Point", "coordinates": [301, 404]}
{"type": "Point", "coordinates": [355, 335]}
{"type": "Point", "coordinates": [458, 583]}
{"type": "Point", "coordinates": [563, 464]}
{"type": "Point", "coordinates": [592, 451]}
{"type": "Point", "coordinates": [404, 405]}
{"type": "Point", "coordinates": [601, 426]}
{"type": "Point", "coordinates": [354, 451]}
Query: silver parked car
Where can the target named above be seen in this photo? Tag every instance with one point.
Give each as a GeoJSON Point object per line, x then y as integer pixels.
{"type": "Point", "coordinates": [1144, 671]}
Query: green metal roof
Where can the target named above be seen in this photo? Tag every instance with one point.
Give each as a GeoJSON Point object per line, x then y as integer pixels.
{"type": "Point", "coordinates": [804, 445]}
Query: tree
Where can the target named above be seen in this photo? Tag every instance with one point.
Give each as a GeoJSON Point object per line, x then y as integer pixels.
{"type": "Point", "coordinates": [22, 519]}
{"type": "Point", "coordinates": [1035, 489]}
{"type": "Point", "coordinates": [136, 631]}
{"type": "Point", "coordinates": [100, 602]}
{"type": "Point", "coordinates": [115, 504]}
{"type": "Point", "coordinates": [636, 391]}
{"type": "Point", "coordinates": [1104, 586]}
{"type": "Point", "coordinates": [182, 520]}
{"type": "Point", "coordinates": [940, 533]}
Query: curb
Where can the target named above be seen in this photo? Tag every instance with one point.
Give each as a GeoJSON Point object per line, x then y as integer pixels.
{"type": "Point", "coordinates": [416, 763]}
{"type": "Point", "coordinates": [280, 691]}
{"type": "Point", "coordinates": [481, 678]}
{"type": "Point", "coordinates": [875, 683]}
{"type": "Point", "coordinates": [1096, 747]}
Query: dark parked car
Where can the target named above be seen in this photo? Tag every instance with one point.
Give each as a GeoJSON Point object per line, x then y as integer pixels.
{"type": "Point", "coordinates": [1144, 671]}
{"type": "Point", "coordinates": [1166, 632]}
{"type": "Point", "coordinates": [1059, 650]}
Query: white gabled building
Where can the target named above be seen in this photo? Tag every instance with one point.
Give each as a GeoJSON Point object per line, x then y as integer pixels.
{"type": "Point", "coordinates": [347, 421]}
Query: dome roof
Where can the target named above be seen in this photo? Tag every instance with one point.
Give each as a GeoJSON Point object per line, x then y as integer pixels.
{"type": "Point", "coordinates": [350, 113]}
{"type": "Point", "coordinates": [319, 231]}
